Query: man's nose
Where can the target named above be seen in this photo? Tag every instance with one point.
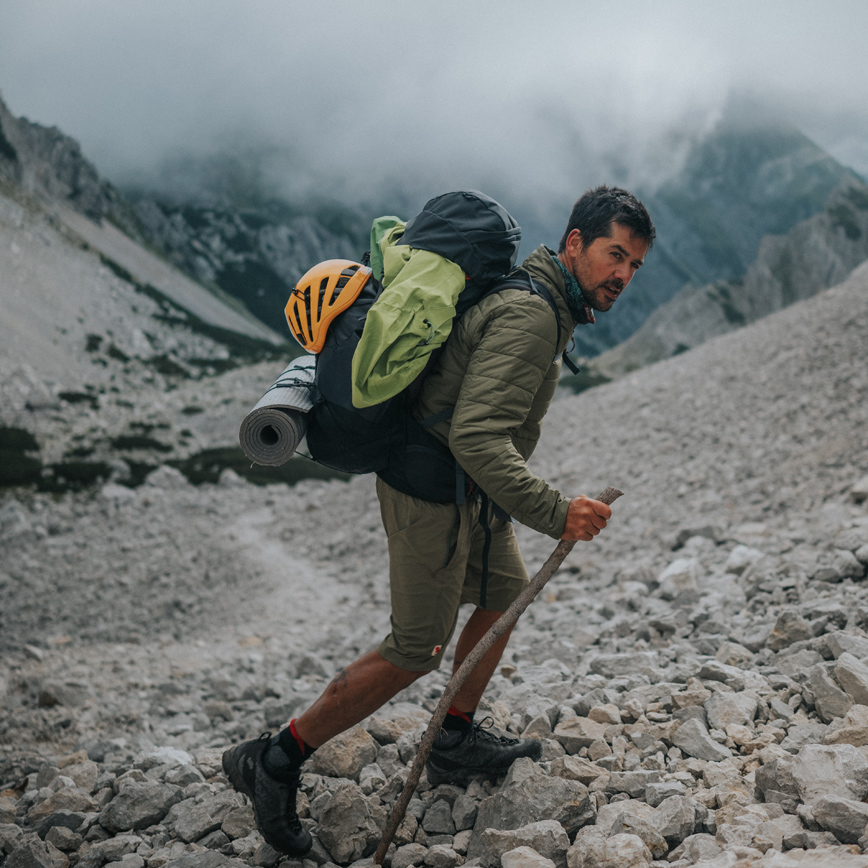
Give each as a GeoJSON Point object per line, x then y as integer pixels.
{"type": "Point", "coordinates": [624, 273]}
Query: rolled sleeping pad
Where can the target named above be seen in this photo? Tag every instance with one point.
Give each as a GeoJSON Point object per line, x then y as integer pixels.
{"type": "Point", "coordinates": [272, 431]}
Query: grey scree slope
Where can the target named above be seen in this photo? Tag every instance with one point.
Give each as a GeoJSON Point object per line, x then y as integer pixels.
{"type": "Point", "coordinates": [697, 674]}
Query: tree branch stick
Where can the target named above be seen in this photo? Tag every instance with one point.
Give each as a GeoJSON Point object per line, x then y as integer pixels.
{"type": "Point", "coordinates": [503, 623]}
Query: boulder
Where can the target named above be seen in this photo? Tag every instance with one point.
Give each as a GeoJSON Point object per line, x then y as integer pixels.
{"type": "Point", "coordinates": [852, 675]}
{"type": "Point", "coordinates": [592, 849]}
{"type": "Point", "coordinates": [350, 826]}
{"type": "Point", "coordinates": [345, 755]}
{"type": "Point", "coordinates": [578, 732]}
{"type": "Point", "coordinates": [845, 818]}
{"type": "Point", "coordinates": [829, 700]}
{"type": "Point", "coordinates": [693, 739]}
{"type": "Point", "coordinates": [138, 805]}
{"type": "Point", "coordinates": [536, 798]}
{"type": "Point", "coordinates": [722, 709]}
{"type": "Point", "coordinates": [547, 838]}
{"type": "Point", "coordinates": [830, 770]}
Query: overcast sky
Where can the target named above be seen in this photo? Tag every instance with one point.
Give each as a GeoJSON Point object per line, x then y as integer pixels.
{"type": "Point", "coordinates": [539, 96]}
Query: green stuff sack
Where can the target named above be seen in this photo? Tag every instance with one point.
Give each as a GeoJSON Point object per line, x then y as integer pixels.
{"type": "Point", "coordinates": [432, 269]}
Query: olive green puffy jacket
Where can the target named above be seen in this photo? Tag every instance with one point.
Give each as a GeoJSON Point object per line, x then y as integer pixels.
{"type": "Point", "coordinates": [499, 369]}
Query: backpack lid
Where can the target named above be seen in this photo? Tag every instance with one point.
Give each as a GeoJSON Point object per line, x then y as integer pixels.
{"type": "Point", "coordinates": [470, 229]}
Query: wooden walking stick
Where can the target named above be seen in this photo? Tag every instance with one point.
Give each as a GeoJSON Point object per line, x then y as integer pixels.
{"type": "Point", "coordinates": [500, 626]}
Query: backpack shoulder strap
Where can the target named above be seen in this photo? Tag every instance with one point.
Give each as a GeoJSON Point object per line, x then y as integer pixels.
{"type": "Point", "coordinates": [521, 279]}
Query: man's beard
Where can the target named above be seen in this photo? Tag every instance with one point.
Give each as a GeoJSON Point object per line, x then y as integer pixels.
{"type": "Point", "coordinates": [599, 300]}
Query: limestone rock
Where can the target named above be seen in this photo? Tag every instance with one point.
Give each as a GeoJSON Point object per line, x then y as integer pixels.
{"type": "Point", "coordinates": [349, 826]}
{"type": "Point", "coordinates": [676, 818]}
{"type": "Point", "coordinates": [525, 857]}
{"type": "Point", "coordinates": [680, 577]}
{"type": "Point", "coordinates": [722, 709]}
{"type": "Point", "coordinates": [829, 700]}
{"type": "Point", "coordinates": [388, 724]}
{"type": "Point", "coordinates": [138, 805]}
{"type": "Point", "coordinates": [576, 768]}
{"type": "Point", "coordinates": [628, 824]}
{"type": "Point", "coordinates": [852, 675]}
{"type": "Point", "coordinates": [693, 738]}
{"type": "Point", "coordinates": [592, 849]}
{"type": "Point", "coordinates": [538, 798]}
{"type": "Point", "coordinates": [547, 837]}
{"type": "Point", "coordinates": [790, 627]}
{"type": "Point", "coordinates": [845, 818]}
{"type": "Point", "coordinates": [31, 852]}
{"type": "Point", "coordinates": [345, 755]}
{"type": "Point", "coordinates": [696, 848]}
{"type": "Point", "coordinates": [578, 732]}
{"type": "Point", "coordinates": [192, 819]}
{"type": "Point", "coordinates": [826, 770]}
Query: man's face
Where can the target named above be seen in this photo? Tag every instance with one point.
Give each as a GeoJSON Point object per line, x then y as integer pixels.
{"type": "Point", "coordinates": [605, 267]}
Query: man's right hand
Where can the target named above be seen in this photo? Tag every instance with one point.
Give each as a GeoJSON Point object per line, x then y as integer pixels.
{"type": "Point", "coordinates": [585, 519]}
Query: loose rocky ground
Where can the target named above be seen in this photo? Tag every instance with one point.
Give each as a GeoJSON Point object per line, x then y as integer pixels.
{"type": "Point", "coordinates": [698, 675]}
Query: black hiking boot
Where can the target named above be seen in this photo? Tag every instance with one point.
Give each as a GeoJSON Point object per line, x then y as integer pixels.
{"type": "Point", "coordinates": [456, 757]}
{"type": "Point", "coordinates": [273, 800]}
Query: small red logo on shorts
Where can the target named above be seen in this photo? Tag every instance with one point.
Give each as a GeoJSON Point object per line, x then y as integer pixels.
{"type": "Point", "coordinates": [436, 650]}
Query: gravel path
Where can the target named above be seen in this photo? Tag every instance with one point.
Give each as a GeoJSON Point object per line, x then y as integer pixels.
{"type": "Point", "coordinates": [174, 617]}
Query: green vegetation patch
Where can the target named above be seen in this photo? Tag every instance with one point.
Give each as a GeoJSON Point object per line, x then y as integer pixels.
{"type": "Point", "coordinates": [79, 452]}
{"type": "Point", "coordinates": [80, 398]}
{"type": "Point", "coordinates": [17, 467]}
{"type": "Point", "coordinates": [118, 270]}
{"type": "Point", "coordinates": [844, 217]}
{"type": "Point", "coordinates": [139, 441]}
{"type": "Point", "coordinates": [243, 347]}
{"type": "Point", "coordinates": [215, 366]}
{"type": "Point", "coordinates": [168, 367]}
{"type": "Point", "coordinates": [73, 475]}
{"type": "Point", "coordinates": [584, 380]}
{"type": "Point", "coordinates": [206, 466]}
{"type": "Point", "coordinates": [721, 294]}
{"type": "Point", "coordinates": [138, 471]}
{"type": "Point", "coordinates": [859, 197]}
{"type": "Point", "coordinates": [17, 440]}
{"type": "Point", "coordinates": [116, 353]}
{"type": "Point", "coordinates": [6, 148]}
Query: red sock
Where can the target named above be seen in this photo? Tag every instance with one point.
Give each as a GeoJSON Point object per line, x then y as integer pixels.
{"type": "Point", "coordinates": [457, 720]}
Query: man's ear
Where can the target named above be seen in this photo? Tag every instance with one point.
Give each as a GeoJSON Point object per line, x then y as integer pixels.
{"type": "Point", "coordinates": [575, 242]}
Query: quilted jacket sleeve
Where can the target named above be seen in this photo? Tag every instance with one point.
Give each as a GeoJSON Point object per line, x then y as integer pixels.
{"type": "Point", "coordinates": [511, 371]}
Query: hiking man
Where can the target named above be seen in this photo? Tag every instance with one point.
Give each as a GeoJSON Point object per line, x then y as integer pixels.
{"type": "Point", "coordinates": [497, 371]}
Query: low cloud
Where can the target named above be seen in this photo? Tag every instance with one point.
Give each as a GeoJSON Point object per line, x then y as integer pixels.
{"type": "Point", "coordinates": [347, 99]}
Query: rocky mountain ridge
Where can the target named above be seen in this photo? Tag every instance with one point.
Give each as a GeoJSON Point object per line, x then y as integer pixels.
{"type": "Point", "coordinates": [256, 253]}
{"type": "Point", "coordinates": [748, 177]}
{"type": "Point", "coordinates": [45, 163]}
{"type": "Point", "coordinates": [745, 179]}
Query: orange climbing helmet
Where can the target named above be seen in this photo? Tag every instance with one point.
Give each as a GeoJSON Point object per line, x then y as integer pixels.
{"type": "Point", "coordinates": [325, 291]}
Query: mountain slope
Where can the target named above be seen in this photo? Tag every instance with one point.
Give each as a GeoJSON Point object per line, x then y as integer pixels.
{"type": "Point", "coordinates": [46, 177]}
{"type": "Point", "coordinates": [682, 666]}
{"type": "Point", "coordinates": [749, 177]}
{"type": "Point", "coordinates": [222, 224]}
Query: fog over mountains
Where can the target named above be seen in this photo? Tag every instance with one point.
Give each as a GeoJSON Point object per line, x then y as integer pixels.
{"type": "Point", "coordinates": [698, 675]}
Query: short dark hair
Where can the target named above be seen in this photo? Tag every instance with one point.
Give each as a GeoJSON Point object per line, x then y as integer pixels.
{"type": "Point", "coordinates": [596, 211]}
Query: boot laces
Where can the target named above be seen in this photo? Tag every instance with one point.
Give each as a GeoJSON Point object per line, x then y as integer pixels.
{"type": "Point", "coordinates": [482, 732]}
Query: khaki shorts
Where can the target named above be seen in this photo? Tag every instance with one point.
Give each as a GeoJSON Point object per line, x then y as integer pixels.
{"type": "Point", "coordinates": [435, 565]}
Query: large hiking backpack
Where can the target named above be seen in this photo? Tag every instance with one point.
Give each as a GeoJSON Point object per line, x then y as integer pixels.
{"type": "Point", "coordinates": [473, 231]}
